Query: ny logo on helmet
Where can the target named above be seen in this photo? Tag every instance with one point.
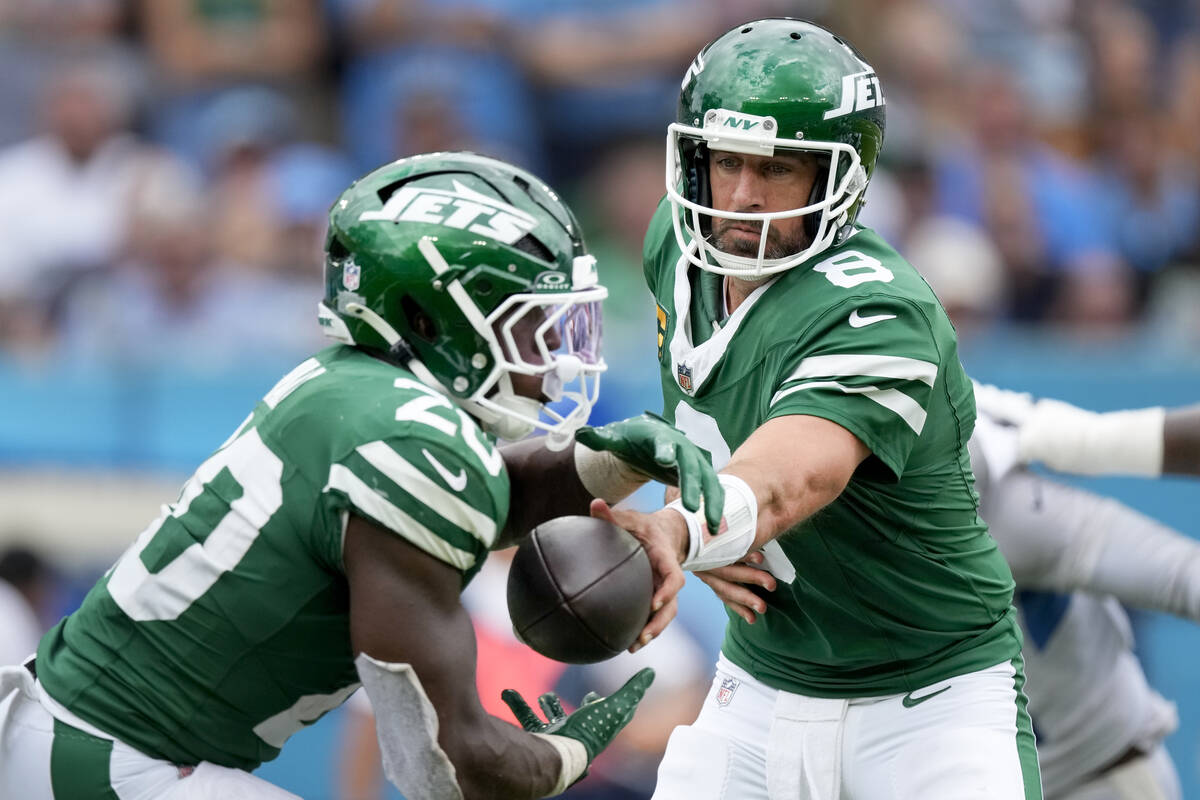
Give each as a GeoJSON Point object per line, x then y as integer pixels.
{"type": "Point", "coordinates": [462, 208]}
{"type": "Point", "coordinates": [743, 123]}
{"type": "Point", "coordinates": [860, 91]}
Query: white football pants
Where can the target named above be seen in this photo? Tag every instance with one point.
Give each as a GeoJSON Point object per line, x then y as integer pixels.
{"type": "Point", "coordinates": [45, 759]}
{"type": "Point", "coordinates": [958, 739]}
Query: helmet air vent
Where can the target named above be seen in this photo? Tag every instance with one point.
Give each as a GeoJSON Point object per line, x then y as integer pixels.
{"type": "Point", "coordinates": [747, 29]}
{"type": "Point", "coordinates": [337, 250]}
{"type": "Point", "coordinates": [796, 34]}
{"type": "Point", "coordinates": [528, 244]}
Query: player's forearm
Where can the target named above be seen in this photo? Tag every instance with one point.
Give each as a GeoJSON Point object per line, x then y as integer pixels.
{"type": "Point", "coordinates": [1064, 539]}
{"type": "Point", "coordinates": [1146, 564]}
{"type": "Point", "coordinates": [498, 760]}
{"type": "Point", "coordinates": [785, 501]}
{"type": "Point", "coordinates": [544, 485]}
{"type": "Point", "coordinates": [1181, 441]}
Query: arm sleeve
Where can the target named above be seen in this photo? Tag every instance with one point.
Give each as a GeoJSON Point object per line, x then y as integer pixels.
{"type": "Point", "coordinates": [875, 380]}
{"type": "Point", "coordinates": [1060, 538]}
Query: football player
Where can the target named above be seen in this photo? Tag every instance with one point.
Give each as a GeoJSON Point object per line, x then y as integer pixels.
{"type": "Point", "coordinates": [325, 544]}
{"type": "Point", "coordinates": [821, 373]}
{"type": "Point", "coordinates": [1077, 557]}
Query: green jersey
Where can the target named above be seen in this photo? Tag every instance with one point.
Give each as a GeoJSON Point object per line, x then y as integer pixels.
{"type": "Point", "coordinates": [898, 583]}
{"type": "Point", "coordinates": [224, 628]}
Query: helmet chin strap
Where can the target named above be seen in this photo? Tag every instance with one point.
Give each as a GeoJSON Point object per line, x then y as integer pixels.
{"type": "Point", "coordinates": [508, 425]}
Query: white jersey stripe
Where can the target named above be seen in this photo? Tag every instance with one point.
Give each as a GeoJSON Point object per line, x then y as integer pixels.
{"type": "Point", "coordinates": [374, 504]}
{"type": "Point", "coordinates": [892, 399]}
{"type": "Point", "coordinates": [447, 504]}
{"type": "Point", "coordinates": [299, 376]}
{"type": "Point", "coordinates": [879, 366]}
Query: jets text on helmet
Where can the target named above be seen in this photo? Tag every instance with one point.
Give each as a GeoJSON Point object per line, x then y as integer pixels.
{"type": "Point", "coordinates": [859, 92]}
{"type": "Point", "coordinates": [462, 208]}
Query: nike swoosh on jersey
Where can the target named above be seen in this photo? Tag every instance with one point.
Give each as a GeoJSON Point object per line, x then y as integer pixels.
{"type": "Point", "coordinates": [456, 482]}
{"type": "Point", "coordinates": [858, 321]}
{"type": "Point", "coordinates": [909, 701]}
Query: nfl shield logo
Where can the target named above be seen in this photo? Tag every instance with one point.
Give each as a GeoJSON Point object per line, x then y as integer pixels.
{"type": "Point", "coordinates": [350, 276]}
{"type": "Point", "coordinates": [725, 692]}
{"type": "Point", "coordinates": [685, 378]}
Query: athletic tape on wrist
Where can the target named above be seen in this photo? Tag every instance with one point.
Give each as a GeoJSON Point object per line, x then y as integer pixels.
{"type": "Point", "coordinates": [1074, 440]}
{"type": "Point", "coordinates": [606, 476]}
{"type": "Point", "coordinates": [574, 759]}
{"type": "Point", "coordinates": [739, 521]}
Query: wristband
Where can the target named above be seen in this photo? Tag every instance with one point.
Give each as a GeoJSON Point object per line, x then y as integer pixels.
{"type": "Point", "coordinates": [606, 476]}
{"type": "Point", "coordinates": [739, 522]}
{"type": "Point", "coordinates": [574, 760]}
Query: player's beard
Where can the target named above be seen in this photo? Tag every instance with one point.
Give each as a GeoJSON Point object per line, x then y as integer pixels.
{"type": "Point", "coordinates": [778, 246]}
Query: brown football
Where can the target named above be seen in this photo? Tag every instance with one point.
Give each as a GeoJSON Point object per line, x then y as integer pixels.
{"type": "Point", "coordinates": [579, 589]}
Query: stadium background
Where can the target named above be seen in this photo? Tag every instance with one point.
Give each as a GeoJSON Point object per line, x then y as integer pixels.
{"type": "Point", "coordinates": [1042, 167]}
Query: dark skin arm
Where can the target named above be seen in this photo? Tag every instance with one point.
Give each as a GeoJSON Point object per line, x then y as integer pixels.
{"type": "Point", "coordinates": [405, 608]}
{"type": "Point", "coordinates": [1181, 441]}
{"type": "Point", "coordinates": [544, 486]}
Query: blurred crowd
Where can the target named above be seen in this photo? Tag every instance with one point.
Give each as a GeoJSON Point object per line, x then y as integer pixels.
{"type": "Point", "coordinates": [166, 165]}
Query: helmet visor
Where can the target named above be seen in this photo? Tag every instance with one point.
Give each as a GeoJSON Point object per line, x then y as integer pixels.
{"type": "Point", "coordinates": [547, 349]}
{"type": "Point", "coordinates": [534, 331]}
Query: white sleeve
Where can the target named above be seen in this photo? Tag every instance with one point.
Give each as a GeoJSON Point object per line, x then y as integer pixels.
{"type": "Point", "coordinates": [407, 727]}
{"type": "Point", "coordinates": [1060, 538]}
{"type": "Point", "coordinates": [1074, 440]}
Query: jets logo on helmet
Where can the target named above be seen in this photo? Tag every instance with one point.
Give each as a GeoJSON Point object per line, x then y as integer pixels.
{"type": "Point", "coordinates": [767, 88]}
{"type": "Point", "coordinates": [694, 70]}
{"type": "Point", "coordinates": [459, 208]}
{"type": "Point", "coordinates": [472, 274]}
{"type": "Point", "coordinates": [859, 92]}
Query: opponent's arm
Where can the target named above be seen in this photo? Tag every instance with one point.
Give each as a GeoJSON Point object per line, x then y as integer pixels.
{"type": "Point", "coordinates": [1061, 538]}
{"type": "Point", "coordinates": [1181, 441]}
{"type": "Point", "coordinates": [416, 641]}
{"type": "Point", "coordinates": [1143, 441]}
{"type": "Point", "coordinates": [790, 468]}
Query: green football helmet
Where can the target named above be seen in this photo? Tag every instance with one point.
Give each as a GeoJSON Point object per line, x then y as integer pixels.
{"type": "Point", "coordinates": [764, 87]}
{"type": "Point", "coordinates": [471, 273]}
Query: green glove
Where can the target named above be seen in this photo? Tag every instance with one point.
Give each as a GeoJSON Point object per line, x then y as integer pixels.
{"type": "Point", "coordinates": [655, 447]}
{"type": "Point", "coordinates": [594, 723]}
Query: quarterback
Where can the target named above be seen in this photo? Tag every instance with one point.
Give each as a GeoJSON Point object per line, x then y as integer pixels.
{"type": "Point", "coordinates": [325, 544]}
{"type": "Point", "coordinates": [822, 375]}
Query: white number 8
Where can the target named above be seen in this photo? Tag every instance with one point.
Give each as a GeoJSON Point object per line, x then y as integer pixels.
{"type": "Point", "coordinates": [850, 268]}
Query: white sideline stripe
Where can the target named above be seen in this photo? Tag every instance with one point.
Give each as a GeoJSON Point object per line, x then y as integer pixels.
{"type": "Point", "coordinates": [892, 399]}
{"type": "Point", "coordinates": [847, 365]}
{"type": "Point", "coordinates": [449, 506]}
{"type": "Point", "coordinates": [370, 501]}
